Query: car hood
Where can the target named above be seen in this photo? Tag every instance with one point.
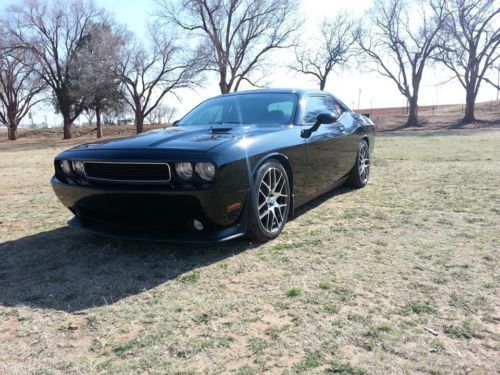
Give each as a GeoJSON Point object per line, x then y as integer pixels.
{"type": "Point", "coordinates": [190, 138]}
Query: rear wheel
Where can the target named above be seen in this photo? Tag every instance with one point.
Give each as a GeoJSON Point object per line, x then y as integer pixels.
{"type": "Point", "coordinates": [358, 177]}
{"type": "Point", "coordinates": [270, 202]}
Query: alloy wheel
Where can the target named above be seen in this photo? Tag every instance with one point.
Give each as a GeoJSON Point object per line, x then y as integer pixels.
{"type": "Point", "coordinates": [273, 199]}
{"type": "Point", "coordinates": [364, 163]}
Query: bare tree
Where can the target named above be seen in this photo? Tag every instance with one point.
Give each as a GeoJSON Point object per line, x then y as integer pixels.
{"type": "Point", "coordinates": [19, 87]}
{"type": "Point", "coordinates": [162, 114]}
{"type": "Point", "coordinates": [496, 84]}
{"type": "Point", "coordinates": [94, 69]}
{"type": "Point", "coordinates": [400, 51]}
{"type": "Point", "coordinates": [115, 113]}
{"type": "Point", "coordinates": [148, 75]}
{"type": "Point", "coordinates": [51, 31]}
{"type": "Point", "coordinates": [469, 48]}
{"type": "Point", "coordinates": [236, 35]}
{"type": "Point", "coordinates": [89, 115]}
{"type": "Point", "coordinates": [169, 116]}
{"type": "Point", "coordinates": [334, 48]}
{"type": "Point", "coordinates": [491, 82]}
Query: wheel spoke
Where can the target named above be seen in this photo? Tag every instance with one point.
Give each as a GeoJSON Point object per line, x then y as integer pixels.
{"type": "Point", "coordinates": [280, 178]}
{"type": "Point", "coordinates": [273, 218]}
{"type": "Point", "coordinates": [266, 185]}
{"type": "Point", "coordinates": [281, 187]}
{"type": "Point", "coordinates": [271, 180]}
{"type": "Point", "coordinates": [280, 216]}
{"type": "Point", "coordinates": [266, 212]}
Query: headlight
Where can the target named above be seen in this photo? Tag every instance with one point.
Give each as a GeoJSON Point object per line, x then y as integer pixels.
{"type": "Point", "coordinates": [205, 170]}
{"type": "Point", "coordinates": [66, 167]}
{"type": "Point", "coordinates": [184, 170]}
{"type": "Point", "coordinates": [78, 167]}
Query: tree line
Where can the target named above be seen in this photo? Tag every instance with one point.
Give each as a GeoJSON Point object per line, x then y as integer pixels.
{"type": "Point", "coordinates": [75, 55]}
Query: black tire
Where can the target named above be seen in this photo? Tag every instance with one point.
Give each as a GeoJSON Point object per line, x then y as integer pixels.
{"type": "Point", "coordinates": [270, 202]}
{"type": "Point", "coordinates": [360, 173]}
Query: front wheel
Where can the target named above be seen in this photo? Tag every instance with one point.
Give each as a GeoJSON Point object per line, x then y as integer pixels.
{"type": "Point", "coordinates": [358, 177]}
{"type": "Point", "coordinates": [270, 202]}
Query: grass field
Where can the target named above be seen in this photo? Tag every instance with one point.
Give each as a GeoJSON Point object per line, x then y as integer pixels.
{"type": "Point", "coordinates": [399, 277]}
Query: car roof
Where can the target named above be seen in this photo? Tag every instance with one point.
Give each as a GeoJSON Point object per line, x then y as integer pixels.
{"type": "Point", "coordinates": [298, 91]}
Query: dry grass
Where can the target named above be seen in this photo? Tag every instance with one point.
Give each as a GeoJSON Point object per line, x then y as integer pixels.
{"type": "Point", "coordinates": [399, 277]}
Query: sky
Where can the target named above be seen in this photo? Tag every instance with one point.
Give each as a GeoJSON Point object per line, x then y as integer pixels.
{"type": "Point", "coordinates": [358, 89]}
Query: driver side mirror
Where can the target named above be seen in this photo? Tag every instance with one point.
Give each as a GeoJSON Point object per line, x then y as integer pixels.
{"type": "Point", "coordinates": [175, 123]}
{"type": "Point", "coordinates": [326, 118]}
{"type": "Point", "coordinates": [321, 118]}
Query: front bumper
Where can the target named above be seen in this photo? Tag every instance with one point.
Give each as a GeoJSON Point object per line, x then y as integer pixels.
{"type": "Point", "coordinates": [155, 214]}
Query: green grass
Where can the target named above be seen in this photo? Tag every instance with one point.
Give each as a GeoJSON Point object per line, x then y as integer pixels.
{"type": "Point", "coordinates": [121, 349]}
{"type": "Point", "coordinates": [356, 284]}
{"type": "Point", "coordinates": [191, 277]}
{"type": "Point", "coordinates": [293, 292]}
{"type": "Point", "coordinates": [419, 307]}
{"type": "Point", "coordinates": [311, 360]}
{"type": "Point", "coordinates": [345, 368]}
{"type": "Point", "coordinates": [466, 330]}
{"type": "Point", "coordinates": [257, 345]}
{"type": "Point", "coordinates": [325, 285]}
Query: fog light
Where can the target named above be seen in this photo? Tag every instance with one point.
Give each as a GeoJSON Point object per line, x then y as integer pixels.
{"type": "Point", "coordinates": [197, 225]}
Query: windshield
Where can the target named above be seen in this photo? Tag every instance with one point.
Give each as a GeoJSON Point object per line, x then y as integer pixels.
{"type": "Point", "coordinates": [259, 108]}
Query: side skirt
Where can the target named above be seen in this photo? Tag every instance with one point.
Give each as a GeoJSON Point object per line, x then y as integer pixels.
{"type": "Point", "coordinates": [310, 197]}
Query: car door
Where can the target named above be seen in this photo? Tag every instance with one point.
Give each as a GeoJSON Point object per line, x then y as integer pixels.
{"type": "Point", "coordinates": [348, 146]}
{"type": "Point", "coordinates": [325, 146]}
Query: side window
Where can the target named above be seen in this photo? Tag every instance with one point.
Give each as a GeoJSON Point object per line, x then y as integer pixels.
{"type": "Point", "coordinates": [315, 105]}
{"type": "Point", "coordinates": [339, 107]}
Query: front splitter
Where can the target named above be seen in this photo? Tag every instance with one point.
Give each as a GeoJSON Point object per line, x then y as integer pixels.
{"type": "Point", "coordinates": [222, 235]}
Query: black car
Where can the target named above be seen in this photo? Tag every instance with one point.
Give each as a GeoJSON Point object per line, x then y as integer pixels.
{"type": "Point", "coordinates": [237, 164]}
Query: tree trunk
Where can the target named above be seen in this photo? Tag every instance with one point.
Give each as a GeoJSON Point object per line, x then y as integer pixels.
{"type": "Point", "coordinates": [322, 84]}
{"type": "Point", "coordinates": [12, 133]}
{"type": "Point", "coordinates": [139, 122]}
{"type": "Point", "coordinates": [12, 124]}
{"type": "Point", "coordinates": [412, 112]}
{"type": "Point", "coordinates": [66, 125]}
{"type": "Point", "coordinates": [224, 87]}
{"type": "Point", "coordinates": [98, 122]}
{"type": "Point", "coordinates": [470, 104]}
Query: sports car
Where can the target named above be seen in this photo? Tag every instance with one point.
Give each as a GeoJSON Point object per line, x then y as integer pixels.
{"type": "Point", "coordinates": [237, 164]}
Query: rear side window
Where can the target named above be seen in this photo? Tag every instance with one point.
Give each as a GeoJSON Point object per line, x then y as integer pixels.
{"type": "Point", "coordinates": [339, 107]}
{"type": "Point", "coordinates": [315, 105]}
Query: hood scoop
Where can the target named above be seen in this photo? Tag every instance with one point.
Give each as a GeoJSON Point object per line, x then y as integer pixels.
{"type": "Point", "coordinates": [220, 130]}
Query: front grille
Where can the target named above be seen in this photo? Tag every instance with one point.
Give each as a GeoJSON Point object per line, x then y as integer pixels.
{"type": "Point", "coordinates": [128, 172]}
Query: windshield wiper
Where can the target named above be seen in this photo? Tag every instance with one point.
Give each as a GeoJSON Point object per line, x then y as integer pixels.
{"type": "Point", "coordinates": [229, 122]}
